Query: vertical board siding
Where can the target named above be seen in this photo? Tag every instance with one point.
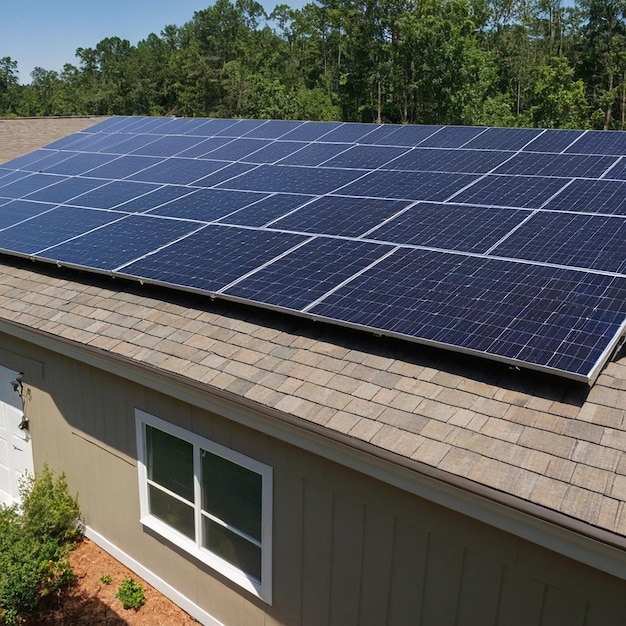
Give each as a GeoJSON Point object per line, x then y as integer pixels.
{"type": "Point", "coordinates": [378, 543]}
{"type": "Point", "coordinates": [562, 606]}
{"type": "Point", "coordinates": [317, 542]}
{"type": "Point", "coordinates": [408, 574]}
{"type": "Point", "coordinates": [444, 570]}
{"type": "Point", "coordinates": [348, 549]}
{"type": "Point", "coordinates": [521, 599]}
{"type": "Point", "coordinates": [480, 590]}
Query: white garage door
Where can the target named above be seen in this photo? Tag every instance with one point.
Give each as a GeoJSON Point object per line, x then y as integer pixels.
{"type": "Point", "coordinates": [15, 445]}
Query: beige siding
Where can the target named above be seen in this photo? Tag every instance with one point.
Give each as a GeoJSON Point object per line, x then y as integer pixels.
{"type": "Point", "coordinates": [348, 550]}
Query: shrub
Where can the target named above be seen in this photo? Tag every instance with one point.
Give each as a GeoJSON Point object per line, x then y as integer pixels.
{"type": "Point", "coordinates": [106, 579]}
{"type": "Point", "coordinates": [130, 594]}
{"type": "Point", "coordinates": [34, 543]}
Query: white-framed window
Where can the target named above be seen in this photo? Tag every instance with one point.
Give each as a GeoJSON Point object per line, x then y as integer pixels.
{"type": "Point", "coordinates": [209, 500]}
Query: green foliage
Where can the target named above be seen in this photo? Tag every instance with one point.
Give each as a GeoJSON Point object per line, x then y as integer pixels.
{"type": "Point", "coordinates": [485, 62]}
{"type": "Point", "coordinates": [33, 550]}
{"type": "Point", "coordinates": [130, 594]}
{"type": "Point", "coordinates": [106, 579]}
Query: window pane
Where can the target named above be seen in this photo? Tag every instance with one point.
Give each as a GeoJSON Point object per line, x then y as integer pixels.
{"type": "Point", "coordinates": [232, 494]}
{"type": "Point", "coordinates": [173, 512]}
{"type": "Point", "coordinates": [170, 462]}
{"type": "Point", "coordinates": [232, 548]}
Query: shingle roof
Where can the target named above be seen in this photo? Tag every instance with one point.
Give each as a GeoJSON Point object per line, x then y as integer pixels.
{"type": "Point", "coordinates": [548, 441]}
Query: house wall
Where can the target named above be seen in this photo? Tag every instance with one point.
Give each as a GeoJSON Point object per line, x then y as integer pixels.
{"type": "Point", "coordinates": [348, 549]}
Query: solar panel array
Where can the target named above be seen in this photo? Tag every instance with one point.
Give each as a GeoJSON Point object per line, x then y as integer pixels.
{"type": "Point", "coordinates": [505, 243]}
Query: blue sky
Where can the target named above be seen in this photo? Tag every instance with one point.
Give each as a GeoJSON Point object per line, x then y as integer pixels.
{"type": "Point", "coordinates": [46, 33]}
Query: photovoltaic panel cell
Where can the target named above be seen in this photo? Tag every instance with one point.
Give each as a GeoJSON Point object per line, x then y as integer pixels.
{"type": "Point", "coordinates": [341, 216]}
{"type": "Point", "coordinates": [500, 242]}
{"type": "Point", "coordinates": [511, 191]}
{"type": "Point", "coordinates": [314, 154]}
{"type": "Point", "coordinates": [452, 136]}
{"type": "Point", "coordinates": [120, 242]}
{"type": "Point", "coordinates": [503, 139]}
{"type": "Point", "coordinates": [588, 196]}
{"type": "Point", "coordinates": [67, 189]}
{"type": "Point", "coordinates": [15, 211]}
{"type": "Point", "coordinates": [554, 141]}
{"type": "Point", "coordinates": [562, 238]}
{"type": "Point", "coordinates": [288, 179]}
{"type": "Point", "coordinates": [264, 211]}
{"type": "Point", "coordinates": [477, 304]}
{"type": "Point", "coordinates": [27, 185]}
{"type": "Point", "coordinates": [52, 227]}
{"type": "Point", "coordinates": [434, 186]}
{"type": "Point", "coordinates": [112, 194]}
{"type": "Point", "coordinates": [366, 157]}
{"type": "Point", "coordinates": [213, 257]}
{"type": "Point", "coordinates": [618, 171]}
{"type": "Point", "coordinates": [600, 142]}
{"type": "Point", "coordinates": [79, 163]}
{"type": "Point", "coordinates": [429, 160]}
{"type": "Point", "coordinates": [450, 226]}
{"type": "Point", "coordinates": [207, 204]}
{"type": "Point", "coordinates": [528, 164]}
{"type": "Point", "coordinates": [299, 278]}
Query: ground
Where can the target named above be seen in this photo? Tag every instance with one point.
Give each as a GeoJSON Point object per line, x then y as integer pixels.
{"type": "Point", "coordinates": [90, 602]}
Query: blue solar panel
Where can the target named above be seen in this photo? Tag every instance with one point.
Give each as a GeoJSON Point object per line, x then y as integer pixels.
{"type": "Point", "coordinates": [554, 141]}
{"type": "Point", "coordinates": [563, 165]}
{"type": "Point", "coordinates": [511, 191]}
{"type": "Point", "coordinates": [208, 205]}
{"type": "Point", "coordinates": [120, 242]}
{"type": "Point", "coordinates": [274, 152]}
{"type": "Point", "coordinates": [272, 129]}
{"type": "Point", "coordinates": [408, 186]}
{"type": "Point", "coordinates": [264, 211]}
{"type": "Point", "coordinates": [167, 146]}
{"type": "Point", "coordinates": [79, 163]}
{"type": "Point", "coordinates": [502, 242]}
{"type": "Point", "coordinates": [600, 142]}
{"type": "Point", "coordinates": [310, 131]}
{"type": "Point", "coordinates": [15, 211]}
{"type": "Point", "coordinates": [350, 133]}
{"type": "Point", "coordinates": [52, 227]}
{"type": "Point", "coordinates": [618, 171]}
{"type": "Point", "coordinates": [298, 279]}
{"type": "Point", "coordinates": [452, 137]}
{"type": "Point", "coordinates": [176, 171]}
{"type": "Point", "coordinates": [450, 227]}
{"type": "Point", "coordinates": [503, 139]}
{"type": "Point", "coordinates": [471, 302]}
{"type": "Point", "coordinates": [287, 179]}
{"type": "Point", "coordinates": [204, 147]}
{"type": "Point", "coordinates": [65, 190]}
{"type": "Point", "coordinates": [588, 196]}
{"type": "Point", "coordinates": [366, 157]}
{"type": "Point", "coordinates": [314, 154]}
{"type": "Point", "coordinates": [430, 160]}
{"type": "Point", "coordinates": [112, 194]}
{"type": "Point", "coordinates": [27, 185]}
{"type": "Point", "coordinates": [337, 215]}
{"type": "Point", "coordinates": [213, 257]}
{"type": "Point", "coordinates": [565, 238]}
{"type": "Point", "coordinates": [122, 167]}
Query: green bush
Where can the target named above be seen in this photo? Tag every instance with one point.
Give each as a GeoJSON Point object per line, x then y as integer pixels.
{"type": "Point", "coordinates": [130, 594]}
{"type": "Point", "coordinates": [34, 542]}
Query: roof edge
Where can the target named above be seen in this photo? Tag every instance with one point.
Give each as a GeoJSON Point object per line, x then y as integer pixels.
{"type": "Point", "coordinates": [576, 539]}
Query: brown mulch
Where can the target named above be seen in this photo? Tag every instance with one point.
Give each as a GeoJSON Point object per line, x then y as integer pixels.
{"type": "Point", "coordinates": [90, 602]}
